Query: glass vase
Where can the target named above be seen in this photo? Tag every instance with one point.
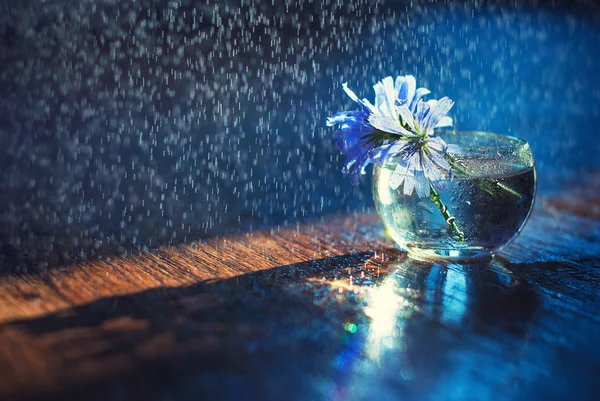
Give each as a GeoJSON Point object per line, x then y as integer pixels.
{"type": "Point", "coordinates": [482, 207]}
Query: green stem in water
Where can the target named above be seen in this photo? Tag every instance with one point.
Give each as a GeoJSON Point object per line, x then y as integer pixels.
{"type": "Point", "coordinates": [434, 197]}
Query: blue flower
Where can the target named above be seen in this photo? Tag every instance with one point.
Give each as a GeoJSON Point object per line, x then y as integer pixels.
{"type": "Point", "coordinates": [400, 125]}
{"type": "Point", "coordinates": [352, 137]}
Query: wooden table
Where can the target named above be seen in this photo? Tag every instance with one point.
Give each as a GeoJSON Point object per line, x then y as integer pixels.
{"type": "Point", "coordinates": [326, 309]}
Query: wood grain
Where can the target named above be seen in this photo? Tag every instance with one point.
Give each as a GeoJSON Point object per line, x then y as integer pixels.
{"type": "Point", "coordinates": [29, 295]}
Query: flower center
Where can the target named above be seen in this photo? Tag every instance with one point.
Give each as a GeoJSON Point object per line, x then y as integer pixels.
{"type": "Point", "coordinates": [420, 140]}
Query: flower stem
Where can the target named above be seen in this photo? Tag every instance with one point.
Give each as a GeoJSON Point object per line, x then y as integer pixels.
{"type": "Point", "coordinates": [435, 198]}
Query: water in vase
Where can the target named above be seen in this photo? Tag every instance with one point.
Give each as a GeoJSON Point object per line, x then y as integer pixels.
{"type": "Point", "coordinates": [489, 208]}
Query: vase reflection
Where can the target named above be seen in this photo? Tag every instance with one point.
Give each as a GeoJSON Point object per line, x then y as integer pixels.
{"type": "Point", "coordinates": [424, 321]}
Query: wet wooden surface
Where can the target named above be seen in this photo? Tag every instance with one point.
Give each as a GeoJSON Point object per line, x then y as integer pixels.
{"type": "Point", "coordinates": [323, 310]}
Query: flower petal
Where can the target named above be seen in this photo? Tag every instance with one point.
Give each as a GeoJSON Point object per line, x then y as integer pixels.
{"type": "Point", "coordinates": [430, 104]}
{"type": "Point", "coordinates": [337, 118]}
{"type": "Point", "coordinates": [397, 177]}
{"type": "Point", "coordinates": [380, 98]}
{"type": "Point", "coordinates": [382, 154]}
{"type": "Point", "coordinates": [350, 92]}
{"type": "Point", "coordinates": [437, 112]}
{"type": "Point", "coordinates": [400, 173]}
{"type": "Point", "coordinates": [390, 95]}
{"type": "Point", "coordinates": [350, 135]}
{"type": "Point", "coordinates": [438, 159]}
{"type": "Point", "coordinates": [356, 162]}
{"type": "Point", "coordinates": [367, 106]}
{"type": "Point", "coordinates": [421, 184]}
{"type": "Point", "coordinates": [406, 116]}
{"type": "Point", "coordinates": [444, 122]}
{"type": "Point", "coordinates": [401, 89]}
{"type": "Point", "coordinates": [418, 95]}
{"type": "Point", "coordinates": [432, 171]}
{"type": "Point", "coordinates": [437, 143]}
{"type": "Point", "coordinates": [421, 112]}
{"type": "Point", "coordinates": [344, 116]}
{"type": "Point", "coordinates": [386, 124]}
{"type": "Point", "coordinates": [413, 165]}
{"type": "Point", "coordinates": [409, 184]}
{"type": "Point", "coordinates": [411, 84]}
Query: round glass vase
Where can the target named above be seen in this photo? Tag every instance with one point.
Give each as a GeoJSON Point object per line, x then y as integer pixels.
{"type": "Point", "coordinates": [482, 207]}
